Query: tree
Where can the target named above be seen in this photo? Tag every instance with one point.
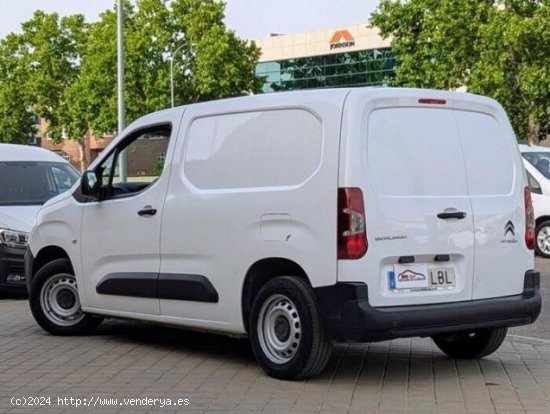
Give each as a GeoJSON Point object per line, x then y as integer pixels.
{"type": "Point", "coordinates": [17, 122]}
{"type": "Point", "coordinates": [53, 47]}
{"type": "Point", "coordinates": [36, 68]}
{"type": "Point", "coordinates": [500, 49]}
{"type": "Point", "coordinates": [64, 70]}
{"type": "Point", "coordinates": [514, 65]}
{"type": "Point", "coordinates": [212, 62]}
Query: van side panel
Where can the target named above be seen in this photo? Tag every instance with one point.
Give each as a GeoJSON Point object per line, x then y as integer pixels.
{"type": "Point", "coordinates": [250, 181]}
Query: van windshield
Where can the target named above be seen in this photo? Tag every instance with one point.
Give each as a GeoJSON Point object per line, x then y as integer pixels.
{"type": "Point", "coordinates": [540, 160]}
{"type": "Point", "coordinates": [34, 183]}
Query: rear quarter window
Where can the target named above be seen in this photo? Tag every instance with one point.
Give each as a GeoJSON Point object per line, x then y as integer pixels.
{"type": "Point", "coordinates": [253, 149]}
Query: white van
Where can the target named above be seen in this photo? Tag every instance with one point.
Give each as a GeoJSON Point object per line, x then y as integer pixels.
{"type": "Point", "coordinates": [300, 219]}
{"type": "Point", "coordinates": [29, 176]}
{"type": "Point", "coordinates": [536, 160]}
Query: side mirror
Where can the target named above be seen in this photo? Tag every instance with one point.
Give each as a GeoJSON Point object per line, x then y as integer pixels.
{"type": "Point", "coordinates": [89, 185]}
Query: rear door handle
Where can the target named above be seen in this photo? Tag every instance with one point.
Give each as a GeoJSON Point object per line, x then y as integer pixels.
{"type": "Point", "coordinates": [147, 211]}
{"type": "Point", "coordinates": [452, 215]}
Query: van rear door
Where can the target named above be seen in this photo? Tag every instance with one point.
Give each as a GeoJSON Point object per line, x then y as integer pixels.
{"type": "Point", "coordinates": [407, 159]}
{"type": "Point", "coordinates": [496, 182]}
{"type": "Point", "coordinates": [440, 180]}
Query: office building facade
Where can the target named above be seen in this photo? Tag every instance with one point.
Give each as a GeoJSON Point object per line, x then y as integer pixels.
{"type": "Point", "coordinates": [345, 56]}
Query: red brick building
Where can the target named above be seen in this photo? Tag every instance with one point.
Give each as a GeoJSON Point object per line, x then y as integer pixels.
{"type": "Point", "coordinates": [71, 150]}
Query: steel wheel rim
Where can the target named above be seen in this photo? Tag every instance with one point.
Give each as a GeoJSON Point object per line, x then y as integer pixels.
{"type": "Point", "coordinates": [279, 329]}
{"type": "Point", "coordinates": [543, 240]}
{"type": "Point", "coordinates": [59, 300]}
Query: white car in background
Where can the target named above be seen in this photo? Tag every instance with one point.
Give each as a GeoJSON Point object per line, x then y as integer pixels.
{"type": "Point", "coordinates": [29, 176]}
{"type": "Point", "coordinates": [537, 164]}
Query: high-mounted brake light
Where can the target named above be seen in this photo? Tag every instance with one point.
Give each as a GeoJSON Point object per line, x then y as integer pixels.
{"type": "Point", "coordinates": [432, 101]}
{"type": "Point", "coordinates": [529, 220]}
{"type": "Point", "coordinates": [352, 232]}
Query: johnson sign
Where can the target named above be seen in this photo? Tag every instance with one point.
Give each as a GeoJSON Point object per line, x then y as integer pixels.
{"type": "Point", "coordinates": [341, 38]}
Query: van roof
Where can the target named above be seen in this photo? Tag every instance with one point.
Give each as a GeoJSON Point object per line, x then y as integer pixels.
{"type": "Point", "coordinates": [328, 93]}
{"type": "Point", "coordinates": [371, 91]}
{"type": "Point", "coordinates": [298, 97]}
{"type": "Point", "coordinates": [15, 152]}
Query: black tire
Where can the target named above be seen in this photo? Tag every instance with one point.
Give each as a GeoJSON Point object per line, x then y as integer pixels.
{"type": "Point", "coordinates": [54, 287]}
{"type": "Point", "coordinates": [471, 345]}
{"type": "Point", "coordinates": [540, 248]}
{"type": "Point", "coordinates": [307, 353]}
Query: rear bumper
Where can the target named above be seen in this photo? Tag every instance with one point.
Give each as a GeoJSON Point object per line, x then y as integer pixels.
{"type": "Point", "coordinates": [12, 273]}
{"type": "Point", "coordinates": [348, 316]}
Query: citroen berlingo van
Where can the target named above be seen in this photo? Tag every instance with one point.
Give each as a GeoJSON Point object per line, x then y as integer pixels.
{"type": "Point", "coordinates": [300, 219]}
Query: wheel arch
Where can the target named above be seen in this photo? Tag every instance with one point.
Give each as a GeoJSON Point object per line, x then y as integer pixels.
{"type": "Point", "coordinates": [262, 271]}
{"type": "Point", "coordinates": [540, 220]}
{"type": "Point", "coordinates": [45, 256]}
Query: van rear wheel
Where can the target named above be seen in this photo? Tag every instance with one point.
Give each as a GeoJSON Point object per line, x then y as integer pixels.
{"type": "Point", "coordinates": [286, 331]}
{"type": "Point", "coordinates": [471, 345]}
{"type": "Point", "coordinates": [54, 301]}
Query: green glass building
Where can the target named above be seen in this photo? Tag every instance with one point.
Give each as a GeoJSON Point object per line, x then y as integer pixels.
{"type": "Point", "coordinates": [354, 56]}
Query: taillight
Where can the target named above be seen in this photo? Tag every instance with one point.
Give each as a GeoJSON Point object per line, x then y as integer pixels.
{"type": "Point", "coordinates": [529, 220]}
{"type": "Point", "coordinates": [352, 233]}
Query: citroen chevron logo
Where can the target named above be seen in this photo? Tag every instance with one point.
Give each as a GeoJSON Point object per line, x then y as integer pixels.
{"type": "Point", "coordinates": [509, 228]}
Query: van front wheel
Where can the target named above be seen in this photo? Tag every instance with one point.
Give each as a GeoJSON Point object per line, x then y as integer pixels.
{"type": "Point", "coordinates": [471, 345]}
{"type": "Point", "coordinates": [55, 302]}
{"type": "Point", "coordinates": [286, 331]}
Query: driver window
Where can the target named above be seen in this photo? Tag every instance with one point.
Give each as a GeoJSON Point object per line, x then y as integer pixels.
{"type": "Point", "coordinates": [145, 156]}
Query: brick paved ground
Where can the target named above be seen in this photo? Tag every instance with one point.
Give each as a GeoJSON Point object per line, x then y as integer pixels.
{"type": "Point", "coordinates": [132, 360]}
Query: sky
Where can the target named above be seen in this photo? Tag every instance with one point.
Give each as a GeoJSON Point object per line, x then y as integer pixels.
{"type": "Point", "coordinates": [251, 19]}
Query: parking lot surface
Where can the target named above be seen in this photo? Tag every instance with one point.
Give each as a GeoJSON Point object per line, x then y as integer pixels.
{"type": "Point", "coordinates": [125, 366]}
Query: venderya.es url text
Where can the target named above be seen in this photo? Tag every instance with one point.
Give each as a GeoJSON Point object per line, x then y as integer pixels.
{"type": "Point", "coordinates": [96, 401]}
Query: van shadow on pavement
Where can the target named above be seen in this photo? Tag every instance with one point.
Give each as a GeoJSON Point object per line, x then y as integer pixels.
{"type": "Point", "coordinates": [175, 339]}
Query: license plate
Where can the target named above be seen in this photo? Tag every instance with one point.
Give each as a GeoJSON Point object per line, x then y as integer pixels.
{"type": "Point", "coordinates": [442, 278]}
{"type": "Point", "coordinates": [420, 277]}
